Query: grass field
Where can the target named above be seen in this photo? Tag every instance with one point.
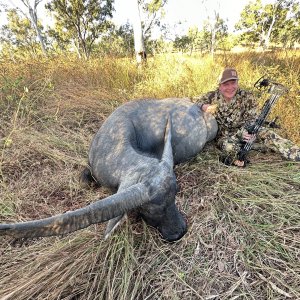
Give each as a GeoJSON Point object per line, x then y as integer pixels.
{"type": "Point", "coordinates": [243, 240]}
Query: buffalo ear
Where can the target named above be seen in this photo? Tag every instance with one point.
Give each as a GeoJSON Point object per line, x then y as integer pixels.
{"type": "Point", "coordinates": [167, 155]}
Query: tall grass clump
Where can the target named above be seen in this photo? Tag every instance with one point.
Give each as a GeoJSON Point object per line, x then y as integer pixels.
{"type": "Point", "coordinates": [177, 75]}
{"type": "Point", "coordinates": [243, 236]}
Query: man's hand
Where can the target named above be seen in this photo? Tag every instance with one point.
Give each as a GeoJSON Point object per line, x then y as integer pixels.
{"type": "Point", "coordinates": [239, 163]}
{"type": "Point", "coordinates": [247, 137]}
{"type": "Point", "coordinates": [210, 108]}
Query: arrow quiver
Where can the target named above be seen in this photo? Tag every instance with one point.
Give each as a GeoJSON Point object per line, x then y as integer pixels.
{"type": "Point", "coordinates": [275, 90]}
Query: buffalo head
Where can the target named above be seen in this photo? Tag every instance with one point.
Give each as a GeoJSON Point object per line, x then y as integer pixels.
{"type": "Point", "coordinates": [151, 191]}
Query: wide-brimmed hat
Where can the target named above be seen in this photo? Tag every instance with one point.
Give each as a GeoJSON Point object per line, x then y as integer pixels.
{"type": "Point", "coordinates": [228, 74]}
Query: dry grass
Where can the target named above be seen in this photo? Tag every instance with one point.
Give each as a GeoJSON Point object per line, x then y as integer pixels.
{"type": "Point", "coordinates": [244, 235]}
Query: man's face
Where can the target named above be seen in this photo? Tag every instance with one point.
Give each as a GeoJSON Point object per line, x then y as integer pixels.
{"type": "Point", "coordinates": [228, 89]}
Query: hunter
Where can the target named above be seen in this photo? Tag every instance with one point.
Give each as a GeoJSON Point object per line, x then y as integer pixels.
{"type": "Point", "coordinates": [235, 110]}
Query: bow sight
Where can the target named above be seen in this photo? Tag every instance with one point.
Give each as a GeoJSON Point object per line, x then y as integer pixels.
{"type": "Point", "coordinates": [273, 87]}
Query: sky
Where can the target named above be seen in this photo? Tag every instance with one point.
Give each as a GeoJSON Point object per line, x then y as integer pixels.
{"type": "Point", "coordinates": [188, 12]}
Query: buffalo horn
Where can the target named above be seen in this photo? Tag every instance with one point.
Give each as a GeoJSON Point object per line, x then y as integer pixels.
{"type": "Point", "coordinates": [97, 212]}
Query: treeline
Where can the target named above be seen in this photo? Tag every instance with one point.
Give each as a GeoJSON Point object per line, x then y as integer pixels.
{"type": "Point", "coordinates": [86, 28]}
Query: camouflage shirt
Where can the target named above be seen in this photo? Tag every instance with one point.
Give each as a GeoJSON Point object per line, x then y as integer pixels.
{"type": "Point", "coordinates": [231, 116]}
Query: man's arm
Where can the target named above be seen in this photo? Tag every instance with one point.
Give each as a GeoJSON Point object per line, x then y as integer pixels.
{"type": "Point", "coordinates": [205, 102]}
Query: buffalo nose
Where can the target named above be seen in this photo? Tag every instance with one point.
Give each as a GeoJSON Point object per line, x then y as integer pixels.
{"type": "Point", "coordinates": [173, 237]}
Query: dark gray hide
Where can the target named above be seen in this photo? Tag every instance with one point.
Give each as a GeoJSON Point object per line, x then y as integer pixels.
{"type": "Point", "coordinates": [133, 152]}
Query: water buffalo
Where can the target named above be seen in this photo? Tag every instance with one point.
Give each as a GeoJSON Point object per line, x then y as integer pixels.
{"type": "Point", "coordinates": [133, 153]}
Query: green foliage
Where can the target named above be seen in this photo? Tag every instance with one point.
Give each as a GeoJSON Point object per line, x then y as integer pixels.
{"type": "Point", "coordinates": [209, 38]}
{"type": "Point", "coordinates": [277, 22]}
{"type": "Point", "coordinates": [85, 28]}
{"type": "Point", "coordinates": [81, 22]}
{"type": "Point", "coordinates": [288, 34]}
{"type": "Point", "coordinates": [116, 42]}
{"type": "Point", "coordinates": [182, 43]}
{"type": "Point", "coordinates": [152, 14]}
{"type": "Point", "coordinates": [18, 36]}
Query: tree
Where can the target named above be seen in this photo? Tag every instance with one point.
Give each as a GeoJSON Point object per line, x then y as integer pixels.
{"type": "Point", "coordinates": [288, 34]}
{"type": "Point", "coordinates": [182, 43]}
{"type": "Point", "coordinates": [194, 39]}
{"type": "Point", "coordinates": [147, 15]}
{"type": "Point", "coordinates": [260, 23]}
{"type": "Point", "coordinates": [209, 38]}
{"type": "Point", "coordinates": [214, 27]}
{"type": "Point", "coordinates": [139, 44]}
{"type": "Point", "coordinates": [32, 10]}
{"type": "Point", "coordinates": [18, 34]}
{"type": "Point", "coordinates": [117, 42]}
{"type": "Point", "coordinates": [218, 31]}
{"type": "Point", "coordinates": [81, 22]}
{"type": "Point", "coordinates": [153, 13]}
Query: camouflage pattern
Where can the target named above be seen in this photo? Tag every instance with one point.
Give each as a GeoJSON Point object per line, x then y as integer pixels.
{"type": "Point", "coordinates": [234, 116]}
{"type": "Point", "coordinates": [278, 144]}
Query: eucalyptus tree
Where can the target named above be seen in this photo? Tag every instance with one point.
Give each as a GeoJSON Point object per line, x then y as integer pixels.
{"type": "Point", "coordinates": [32, 11]}
{"type": "Point", "coordinates": [262, 23]}
{"type": "Point", "coordinates": [214, 31]}
{"type": "Point", "coordinates": [218, 31]}
{"type": "Point", "coordinates": [146, 16]}
{"type": "Point", "coordinates": [211, 37]}
{"type": "Point", "coordinates": [288, 33]}
{"type": "Point", "coordinates": [139, 43]}
{"type": "Point", "coordinates": [18, 36]}
{"type": "Point", "coordinates": [152, 15]}
{"type": "Point", "coordinates": [19, 25]}
{"type": "Point", "coordinates": [118, 42]}
{"type": "Point", "coordinates": [183, 43]}
{"type": "Point", "coordinates": [81, 22]}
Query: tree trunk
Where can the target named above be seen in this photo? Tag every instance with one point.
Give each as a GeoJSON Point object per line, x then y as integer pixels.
{"type": "Point", "coordinates": [213, 33]}
{"type": "Point", "coordinates": [267, 39]}
{"type": "Point", "coordinates": [139, 44]}
{"type": "Point", "coordinates": [34, 22]}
